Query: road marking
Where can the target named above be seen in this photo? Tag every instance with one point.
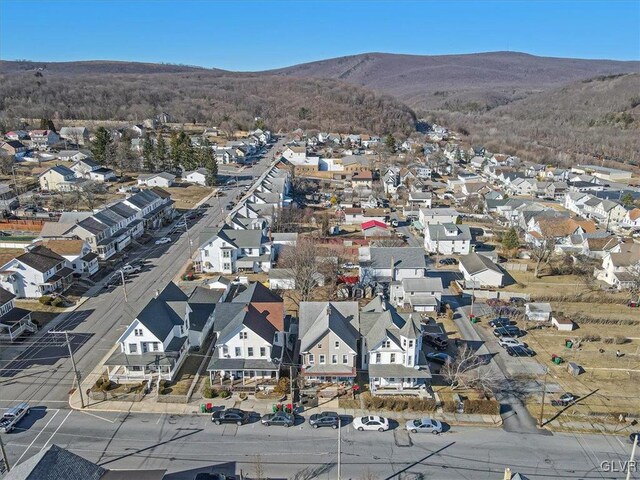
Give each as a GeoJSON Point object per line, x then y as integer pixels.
{"type": "Point", "coordinates": [34, 440]}
{"type": "Point", "coordinates": [56, 431]}
{"type": "Point", "coordinates": [98, 416]}
{"type": "Point", "coordinates": [159, 418]}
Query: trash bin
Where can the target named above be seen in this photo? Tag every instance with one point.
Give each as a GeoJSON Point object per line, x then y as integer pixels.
{"type": "Point", "coordinates": [274, 408]}
{"type": "Point", "coordinates": [203, 408]}
{"type": "Point", "coordinates": [557, 360]}
{"type": "Point", "coordinates": [569, 344]}
{"type": "Point", "coordinates": [209, 407]}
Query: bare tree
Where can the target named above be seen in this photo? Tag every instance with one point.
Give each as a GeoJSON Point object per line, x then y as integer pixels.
{"type": "Point", "coordinates": [470, 370]}
{"type": "Point", "coordinates": [388, 242]}
{"type": "Point", "coordinates": [90, 191]}
{"type": "Point", "coordinates": [302, 264]}
{"type": "Point", "coordinates": [541, 253]}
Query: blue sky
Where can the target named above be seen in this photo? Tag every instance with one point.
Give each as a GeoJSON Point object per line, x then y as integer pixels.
{"type": "Point", "coordinates": [257, 35]}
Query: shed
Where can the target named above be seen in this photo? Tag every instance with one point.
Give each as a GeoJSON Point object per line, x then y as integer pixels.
{"type": "Point", "coordinates": [538, 311]}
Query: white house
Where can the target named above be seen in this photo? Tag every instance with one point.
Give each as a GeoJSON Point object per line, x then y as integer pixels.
{"type": "Point", "coordinates": [251, 337]}
{"type": "Point", "coordinates": [77, 135]}
{"type": "Point", "coordinates": [35, 273]}
{"type": "Point", "coordinates": [295, 154]}
{"type": "Point", "coordinates": [632, 220]}
{"type": "Point", "coordinates": [198, 176]}
{"type": "Point", "coordinates": [419, 200]}
{"type": "Point", "coordinates": [420, 294]}
{"type": "Point", "coordinates": [162, 179]}
{"type": "Point", "coordinates": [72, 155]}
{"type": "Point", "coordinates": [43, 139]}
{"type": "Point", "coordinates": [156, 342]}
{"type": "Point", "coordinates": [392, 348]}
{"type": "Point", "coordinates": [429, 216]}
{"type": "Point", "coordinates": [480, 272]}
{"type": "Point", "coordinates": [389, 264]}
{"type": "Point", "coordinates": [77, 253]}
{"type": "Point", "coordinates": [621, 269]}
{"type": "Point", "coordinates": [13, 321]}
{"type": "Point", "coordinates": [230, 250]}
{"type": "Point", "coordinates": [447, 239]}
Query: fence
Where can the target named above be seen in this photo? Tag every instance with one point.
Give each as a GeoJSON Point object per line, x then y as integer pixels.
{"type": "Point", "coordinates": [515, 267]}
{"type": "Point", "coordinates": [122, 397]}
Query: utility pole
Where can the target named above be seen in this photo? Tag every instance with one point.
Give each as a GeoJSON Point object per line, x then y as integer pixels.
{"type": "Point", "coordinates": [124, 285]}
{"type": "Point", "coordinates": [544, 391]}
{"type": "Point", "coordinates": [291, 384]}
{"type": "Point", "coordinates": [73, 363]}
{"type": "Point", "coordinates": [4, 456]}
{"type": "Point", "coordinates": [631, 464]}
{"type": "Point", "coordinates": [186, 229]}
{"type": "Point", "coordinates": [339, 446]}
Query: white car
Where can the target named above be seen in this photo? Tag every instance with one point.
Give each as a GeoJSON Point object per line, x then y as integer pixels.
{"type": "Point", "coordinates": [371, 422]}
{"type": "Point", "coordinates": [510, 342]}
{"type": "Point", "coordinates": [424, 425]}
{"type": "Point", "coordinates": [163, 240]}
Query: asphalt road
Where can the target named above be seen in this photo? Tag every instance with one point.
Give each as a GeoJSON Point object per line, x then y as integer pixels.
{"type": "Point", "coordinates": [186, 445]}
{"type": "Point", "coordinates": [39, 370]}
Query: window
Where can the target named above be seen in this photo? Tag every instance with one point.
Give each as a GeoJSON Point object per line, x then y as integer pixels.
{"type": "Point", "coordinates": [311, 359]}
{"type": "Point", "coordinates": [225, 350]}
{"type": "Point", "coordinates": [404, 342]}
{"type": "Point", "coordinates": [133, 348]}
{"type": "Point", "coordinates": [393, 358]}
{"type": "Point", "coordinates": [322, 360]}
{"type": "Point", "coordinates": [137, 332]}
{"type": "Point", "coordinates": [155, 346]}
{"type": "Point", "coordinates": [226, 254]}
{"type": "Point", "coordinates": [378, 357]}
{"type": "Point", "coordinates": [243, 335]}
{"type": "Point", "coordinates": [345, 359]}
{"type": "Point", "coordinates": [334, 359]}
{"type": "Point", "coordinates": [319, 345]}
{"type": "Point", "coordinates": [226, 266]}
{"type": "Point", "coordinates": [337, 345]}
{"type": "Point", "coordinates": [263, 352]}
{"type": "Point", "coordinates": [410, 360]}
{"type": "Point", "coordinates": [410, 343]}
{"type": "Point", "coordinates": [249, 351]}
{"type": "Point", "coordinates": [386, 344]}
{"type": "Point", "coordinates": [238, 352]}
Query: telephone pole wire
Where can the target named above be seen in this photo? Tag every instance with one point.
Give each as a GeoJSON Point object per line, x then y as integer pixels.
{"type": "Point", "coordinates": [73, 363]}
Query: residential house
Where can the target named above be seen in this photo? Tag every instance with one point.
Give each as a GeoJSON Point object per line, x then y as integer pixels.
{"type": "Point", "coordinates": [419, 294]}
{"type": "Point", "coordinates": [14, 148]}
{"type": "Point", "coordinates": [90, 170]}
{"type": "Point", "coordinates": [375, 228]}
{"type": "Point", "coordinates": [328, 341]}
{"type": "Point", "coordinates": [76, 135]}
{"type": "Point", "coordinates": [229, 251]}
{"type": "Point", "coordinates": [154, 207]}
{"type": "Point", "coordinates": [522, 186]}
{"type": "Point", "coordinates": [162, 179]}
{"type": "Point", "coordinates": [72, 155]}
{"type": "Point", "coordinates": [389, 264]}
{"type": "Point", "coordinates": [198, 176]}
{"type": "Point", "coordinates": [392, 348]}
{"type": "Point", "coordinates": [17, 135]}
{"type": "Point", "coordinates": [480, 272]}
{"type": "Point", "coordinates": [252, 337]}
{"type": "Point", "coordinates": [419, 200]}
{"type": "Point", "coordinates": [447, 239]}
{"type": "Point", "coordinates": [156, 343]}
{"type": "Point", "coordinates": [13, 321]}
{"type": "Point", "coordinates": [541, 227]}
{"type": "Point", "coordinates": [58, 179]}
{"type": "Point", "coordinates": [538, 311]}
{"type": "Point", "coordinates": [77, 253]}
{"type": "Point", "coordinates": [632, 220]}
{"type": "Point", "coordinates": [35, 273]}
{"type": "Point", "coordinates": [429, 216]}
{"type": "Point", "coordinates": [355, 216]}
{"type": "Point", "coordinates": [96, 234]}
{"type": "Point", "coordinates": [296, 155]}
{"type": "Point", "coordinates": [362, 180]}
{"type": "Point", "coordinates": [43, 139]}
{"type": "Point", "coordinates": [621, 269]}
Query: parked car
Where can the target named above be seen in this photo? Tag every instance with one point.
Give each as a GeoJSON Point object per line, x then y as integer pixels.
{"type": "Point", "coordinates": [520, 351]}
{"type": "Point", "coordinates": [436, 341]}
{"type": "Point", "coordinates": [324, 419]}
{"type": "Point", "coordinates": [371, 422]}
{"type": "Point", "coordinates": [633, 437]}
{"type": "Point", "coordinates": [508, 331]}
{"type": "Point", "coordinates": [510, 342]}
{"type": "Point", "coordinates": [229, 207]}
{"type": "Point", "coordinates": [439, 357]}
{"type": "Point", "coordinates": [349, 266]}
{"type": "Point", "coordinates": [129, 269]}
{"type": "Point", "coordinates": [12, 416]}
{"type": "Point", "coordinates": [500, 322]}
{"type": "Point", "coordinates": [205, 205]}
{"type": "Point", "coordinates": [213, 476]}
{"type": "Point", "coordinates": [230, 415]}
{"type": "Point", "coordinates": [517, 301]}
{"type": "Point", "coordinates": [163, 240]}
{"type": "Point", "coordinates": [279, 418]}
{"type": "Point", "coordinates": [424, 425]}
{"type": "Point", "coordinates": [564, 400]}
{"type": "Point", "coordinates": [448, 261]}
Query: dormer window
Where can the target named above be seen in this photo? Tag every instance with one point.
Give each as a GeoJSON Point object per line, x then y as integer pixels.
{"type": "Point", "coordinates": [386, 344]}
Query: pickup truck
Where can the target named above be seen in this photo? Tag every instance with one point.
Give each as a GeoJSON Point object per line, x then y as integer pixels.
{"type": "Point", "coordinates": [130, 269]}
{"type": "Point", "coordinates": [12, 416]}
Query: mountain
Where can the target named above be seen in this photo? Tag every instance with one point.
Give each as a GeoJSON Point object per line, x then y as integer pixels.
{"type": "Point", "coordinates": [459, 82]}
{"type": "Point", "coordinates": [131, 91]}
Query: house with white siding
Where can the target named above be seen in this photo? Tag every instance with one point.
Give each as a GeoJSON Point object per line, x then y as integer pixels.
{"type": "Point", "coordinates": [389, 264]}
{"type": "Point", "coordinates": [229, 251]}
{"type": "Point", "coordinates": [419, 294]}
{"type": "Point", "coordinates": [447, 239]}
{"type": "Point", "coordinates": [480, 272]}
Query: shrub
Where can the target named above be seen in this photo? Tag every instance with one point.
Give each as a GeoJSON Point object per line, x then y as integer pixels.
{"type": "Point", "coordinates": [449, 406]}
{"type": "Point", "coordinates": [225, 394]}
{"type": "Point", "coordinates": [58, 302]}
{"type": "Point", "coordinates": [207, 391]}
{"type": "Point", "coordinates": [590, 338]}
{"type": "Point", "coordinates": [608, 340]}
{"type": "Point", "coordinates": [282, 388]}
{"type": "Point", "coordinates": [162, 387]}
{"type": "Point", "coordinates": [620, 340]}
{"type": "Point", "coordinates": [45, 300]}
{"type": "Point", "coordinates": [484, 407]}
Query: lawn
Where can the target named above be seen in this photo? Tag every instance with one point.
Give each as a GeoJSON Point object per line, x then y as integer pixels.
{"type": "Point", "coordinates": [7, 254]}
{"type": "Point", "coordinates": [185, 377]}
{"type": "Point", "coordinates": [187, 196]}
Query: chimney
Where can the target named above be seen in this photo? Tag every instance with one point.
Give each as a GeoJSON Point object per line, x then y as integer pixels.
{"type": "Point", "coordinates": [328, 310]}
{"type": "Point", "coordinates": [157, 293]}
{"type": "Point", "coordinates": [393, 265]}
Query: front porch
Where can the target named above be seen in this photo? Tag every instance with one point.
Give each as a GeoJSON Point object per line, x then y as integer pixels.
{"type": "Point", "coordinates": [14, 323]}
{"type": "Point", "coordinates": [246, 381]}
{"type": "Point", "coordinates": [123, 368]}
{"type": "Point", "coordinates": [58, 282]}
{"type": "Point", "coordinates": [396, 378]}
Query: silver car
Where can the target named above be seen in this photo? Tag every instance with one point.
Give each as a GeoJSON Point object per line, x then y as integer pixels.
{"type": "Point", "coordinates": [424, 425]}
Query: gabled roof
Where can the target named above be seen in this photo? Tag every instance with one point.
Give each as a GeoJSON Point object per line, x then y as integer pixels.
{"type": "Point", "coordinates": [316, 319]}
{"type": "Point", "coordinates": [55, 463]}
{"type": "Point", "coordinates": [256, 292]}
{"type": "Point", "coordinates": [242, 238]}
{"type": "Point", "coordinates": [5, 296]}
{"type": "Point", "coordinates": [426, 284]}
{"type": "Point", "coordinates": [380, 320]}
{"type": "Point", "coordinates": [123, 210]}
{"type": "Point", "coordinates": [65, 247]}
{"type": "Point", "coordinates": [373, 223]}
{"type": "Point", "coordinates": [474, 264]}
{"type": "Point", "coordinates": [92, 225]}
{"type": "Point", "coordinates": [40, 258]}
{"type": "Point", "coordinates": [403, 257]}
{"type": "Point", "coordinates": [164, 312]}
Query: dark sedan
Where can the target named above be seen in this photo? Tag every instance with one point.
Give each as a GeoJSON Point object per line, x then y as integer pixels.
{"type": "Point", "coordinates": [279, 418]}
{"type": "Point", "coordinates": [231, 415]}
{"type": "Point", "coordinates": [440, 357]}
{"type": "Point", "coordinates": [520, 351]}
{"type": "Point", "coordinates": [324, 419]}
{"type": "Point", "coordinates": [509, 331]}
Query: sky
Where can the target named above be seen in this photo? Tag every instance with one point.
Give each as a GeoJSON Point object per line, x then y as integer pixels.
{"type": "Point", "coordinates": [259, 35]}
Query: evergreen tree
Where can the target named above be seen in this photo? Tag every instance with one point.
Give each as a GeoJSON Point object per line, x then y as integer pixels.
{"type": "Point", "coordinates": [100, 147]}
{"type": "Point", "coordinates": [212, 172]}
{"type": "Point", "coordinates": [390, 143]}
{"type": "Point", "coordinates": [47, 124]}
{"type": "Point", "coordinates": [510, 241]}
{"type": "Point", "coordinates": [182, 152]}
{"type": "Point", "coordinates": [161, 154]}
{"type": "Point", "coordinates": [627, 199]}
{"type": "Point", "coordinates": [148, 155]}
